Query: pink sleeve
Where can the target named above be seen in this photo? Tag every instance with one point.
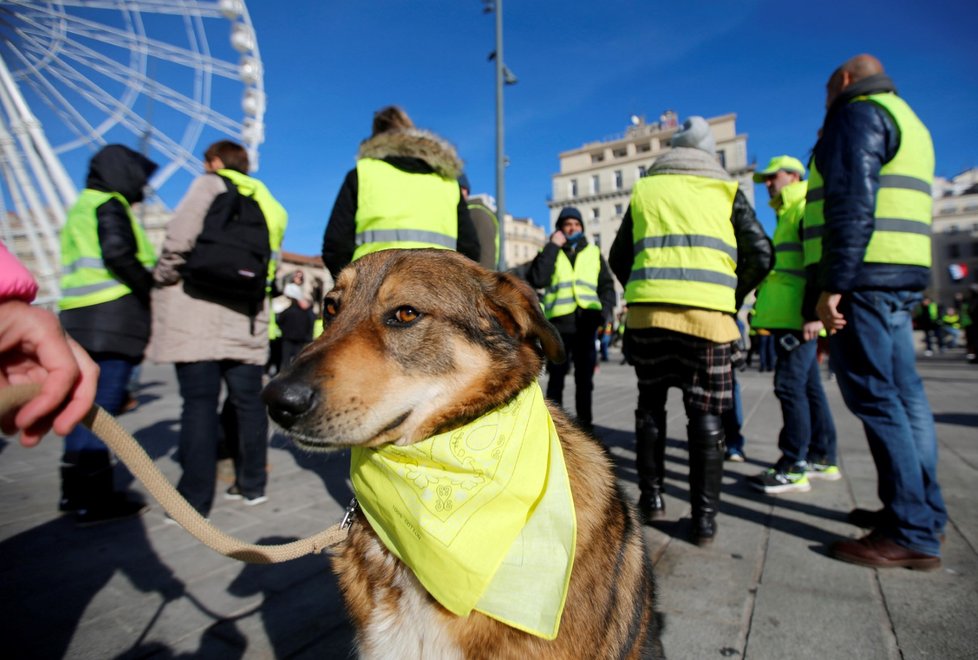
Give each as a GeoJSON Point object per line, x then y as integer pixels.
{"type": "Point", "coordinates": [16, 282]}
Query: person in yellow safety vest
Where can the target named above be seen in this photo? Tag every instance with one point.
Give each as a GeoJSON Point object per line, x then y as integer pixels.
{"type": "Point", "coordinates": [807, 440]}
{"type": "Point", "coordinates": [579, 297]}
{"type": "Point", "coordinates": [210, 342]}
{"type": "Point", "coordinates": [106, 266]}
{"type": "Point", "coordinates": [403, 194]}
{"type": "Point", "coordinates": [486, 226]}
{"type": "Point", "coordinates": [688, 251]}
{"type": "Point", "coordinates": [868, 254]}
{"type": "Point", "coordinates": [951, 322]}
{"type": "Point", "coordinates": [927, 319]}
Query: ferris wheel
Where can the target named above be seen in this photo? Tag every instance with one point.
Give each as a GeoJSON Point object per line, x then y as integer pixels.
{"type": "Point", "coordinates": [164, 77]}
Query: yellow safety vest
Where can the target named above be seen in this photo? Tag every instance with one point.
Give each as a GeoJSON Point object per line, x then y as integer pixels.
{"type": "Point", "coordinates": [573, 286]}
{"type": "Point", "coordinates": [902, 215]}
{"type": "Point", "coordinates": [403, 210]}
{"type": "Point", "coordinates": [684, 242]}
{"type": "Point", "coordinates": [779, 297]}
{"type": "Point", "coordinates": [85, 281]}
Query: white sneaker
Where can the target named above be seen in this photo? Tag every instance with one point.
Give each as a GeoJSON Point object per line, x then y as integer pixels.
{"type": "Point", "coordinates": [255, 501]}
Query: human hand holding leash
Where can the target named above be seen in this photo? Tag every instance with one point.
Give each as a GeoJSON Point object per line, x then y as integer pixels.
{"type": "Point", "coordinates": [35, 349]}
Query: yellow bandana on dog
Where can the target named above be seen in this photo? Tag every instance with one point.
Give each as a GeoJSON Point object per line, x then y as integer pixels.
{"type": "Point", "coordinates": [482, 514]}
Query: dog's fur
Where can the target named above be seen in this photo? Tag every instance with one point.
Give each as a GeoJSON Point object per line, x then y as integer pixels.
{"type": "Point", "coordinates": [417, 342]}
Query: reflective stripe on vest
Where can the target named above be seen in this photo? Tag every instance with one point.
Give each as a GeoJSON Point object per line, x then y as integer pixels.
{"type": "Point", "coordinates": [779, 297]}
{"type": "Point", "coordinates": [276, 217]}
{"type": "Point", "coordinates": [684, 243]}
{"type": "Point", "coordinates": [402, 210]}
{"type": "Point", "coordinates": [902, 214]}
{"type": "Point", "coordinates": [573, 285]}
{"type": "Point", "coordinates": [85, 281]}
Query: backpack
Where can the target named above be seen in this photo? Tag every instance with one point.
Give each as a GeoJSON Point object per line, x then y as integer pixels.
{"type": "Point", "coordinates": [229, 262]}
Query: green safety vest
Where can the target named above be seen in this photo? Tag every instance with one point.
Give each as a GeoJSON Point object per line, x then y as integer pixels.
{"type": "Point", "coordinates": [275, 215]}
{"type": "Point", "coordinates": [902, 216]}
{"type": "Point", "coordinates": [687, 257]}
{"type": "Point", "coordinates": [573, 285]}
{"type": "Point", "coordinates": [85, 281]}
{"type": "Point", "coordinates": [403, 210]}
{"type": "Point", "coordinates": [779, 297]}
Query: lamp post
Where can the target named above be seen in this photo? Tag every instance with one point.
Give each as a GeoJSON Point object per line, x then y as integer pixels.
{"type": "Point", "coordinates": [503, 77]}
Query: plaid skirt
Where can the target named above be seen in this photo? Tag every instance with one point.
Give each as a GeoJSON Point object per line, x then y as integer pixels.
{"type": "Point", "coordinates": [699, 367]}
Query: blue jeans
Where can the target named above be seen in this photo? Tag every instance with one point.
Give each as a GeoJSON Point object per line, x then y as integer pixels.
{"type": "Point", "coordinates": [873, 357]}
{"type": "Point", "coordinates": [113, 388]}
{"type": "Point", "coordinates": [200, 388]}
{"type": "Point", "coordinates": [766, 352]}
{"type": "Point", "coordinates": [808, 433]}
{"type": "Point", "coordinates": [733, 420]}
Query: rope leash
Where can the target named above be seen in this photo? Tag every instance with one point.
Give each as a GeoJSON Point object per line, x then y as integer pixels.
{"type": "Point", "coordinates": [132, 455]}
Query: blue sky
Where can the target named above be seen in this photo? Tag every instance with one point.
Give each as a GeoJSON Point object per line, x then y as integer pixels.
{"type": "Point", "coordinates": [584, 68]}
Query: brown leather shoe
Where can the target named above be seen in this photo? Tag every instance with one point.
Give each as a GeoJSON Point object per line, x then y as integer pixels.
{"type": "Point", "coordinates": [877, 551]}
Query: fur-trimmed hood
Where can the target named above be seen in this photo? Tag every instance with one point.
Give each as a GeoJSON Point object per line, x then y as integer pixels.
{"type": "Point", "coordinates": [414, 143]}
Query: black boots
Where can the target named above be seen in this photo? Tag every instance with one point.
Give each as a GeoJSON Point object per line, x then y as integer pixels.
{"type": "Point", "coordinates": [706, 447]}
{"type": "Point", "coordinates": [88, 491]}
{"type": "Point", "coordinates": [650, 449]}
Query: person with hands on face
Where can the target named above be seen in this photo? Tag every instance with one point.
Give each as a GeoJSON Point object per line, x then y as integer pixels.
{"type": "Point", "coordinates": [579, 297]}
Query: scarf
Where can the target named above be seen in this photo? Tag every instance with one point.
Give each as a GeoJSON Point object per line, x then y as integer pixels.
{"type": "Point", "coordinates": [482, 514]}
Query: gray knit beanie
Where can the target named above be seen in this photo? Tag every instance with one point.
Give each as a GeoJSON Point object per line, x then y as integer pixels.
{"type": "Point", "coordinates": [695, 134]}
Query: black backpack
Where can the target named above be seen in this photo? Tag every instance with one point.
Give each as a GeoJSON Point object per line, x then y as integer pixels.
{"type": "Point", "coordinates": [229, 262]}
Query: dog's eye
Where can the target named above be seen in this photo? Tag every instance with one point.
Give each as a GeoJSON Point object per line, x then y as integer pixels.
{"type": "Point", "coordinates": [330, 309]}
{"type": "Point", "coordinates": [404, 315]}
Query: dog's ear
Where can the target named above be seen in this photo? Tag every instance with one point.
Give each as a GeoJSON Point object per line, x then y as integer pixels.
{"type": "Point", "coordinates": [521, 313]}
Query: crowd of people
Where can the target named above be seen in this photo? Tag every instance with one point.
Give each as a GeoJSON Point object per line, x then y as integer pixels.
{"type": "Point", "coordinates": [848, 260]}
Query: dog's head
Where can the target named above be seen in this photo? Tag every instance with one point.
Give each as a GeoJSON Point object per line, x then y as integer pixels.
{"type": "Point", "coordinates": [415, 342]}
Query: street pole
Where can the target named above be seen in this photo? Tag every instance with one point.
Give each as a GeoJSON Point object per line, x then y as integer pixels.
{"type": "Point", "coordinates": [500, 135]}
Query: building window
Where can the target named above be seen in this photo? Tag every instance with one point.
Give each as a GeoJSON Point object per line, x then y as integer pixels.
{"type": "Point", "coordinates": [643, 148]}
{"type": "Point", "coordinates": [573, 188]}
{"type": "Point", "coordinates": [953, 251]}
{"type": "Point", "coordinates": [597, 158]}
{"type": "Point", "coordinates": [596, 239]}
{"type": "Point", "coordinates": [620, 152]}
{"type": "Point", "coordinates": [618, 209]}
{"type": "Point", "coordinates": [618, 180]}
{"type": "Point", "coordinates": [595, 184]}
{"type": "Point", "coordinates": [974, 249]}
{"type": "Point", "coordinates": [641, 171]}
{"type": "Point", "coordinates": [595, 213]}
{"type": "Point", "coordinates": [722, 158]}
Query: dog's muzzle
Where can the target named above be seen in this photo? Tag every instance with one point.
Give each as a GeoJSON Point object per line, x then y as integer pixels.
{"type": "Point", "coordinates": [288, 400]}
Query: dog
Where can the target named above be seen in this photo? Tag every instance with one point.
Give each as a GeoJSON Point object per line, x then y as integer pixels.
{"type": "Point", "coordinates": [418, 342]}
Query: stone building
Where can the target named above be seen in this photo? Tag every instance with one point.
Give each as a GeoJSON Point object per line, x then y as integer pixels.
{"type": "Point", "coordinates": [954, 241]}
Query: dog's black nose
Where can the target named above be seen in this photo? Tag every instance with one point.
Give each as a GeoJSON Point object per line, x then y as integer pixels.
{"type": "Point", "coordinates": [287, 400]}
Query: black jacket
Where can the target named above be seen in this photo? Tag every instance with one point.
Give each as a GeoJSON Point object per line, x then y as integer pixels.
{"type": "Point", "coordinates": [857, 140]}
{"type": "Point", "coordinates": [541, 272]}
{"type": "Point", "coordinates": [122, 326]}
{"type": "Point", "coordinates": [417, 152]}
{"type": "Point", "coordinates": [755, 254]}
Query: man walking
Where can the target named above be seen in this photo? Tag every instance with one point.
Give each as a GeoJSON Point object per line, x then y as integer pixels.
{"type": "Point", "coordinates": [807, 440]}
{"type": "Point", "coordinates": [867, 250]}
